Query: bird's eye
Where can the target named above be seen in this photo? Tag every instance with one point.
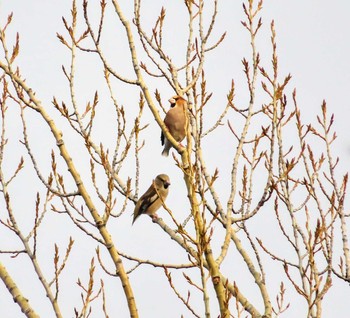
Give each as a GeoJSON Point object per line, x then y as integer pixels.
{"type": "Point", "coordinates": [166, 186]}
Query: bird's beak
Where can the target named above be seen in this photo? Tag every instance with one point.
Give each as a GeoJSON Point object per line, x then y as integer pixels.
{"type": "Point", "coordinates": [172, 101]}
{"type": "Point", "coordinates": [167, 184]}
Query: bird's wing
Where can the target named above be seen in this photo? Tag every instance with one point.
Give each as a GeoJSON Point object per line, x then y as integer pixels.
{"type": "Point", "coordinates": [148, 199]}
{"type": "Point", "coordinates": [145, 202]}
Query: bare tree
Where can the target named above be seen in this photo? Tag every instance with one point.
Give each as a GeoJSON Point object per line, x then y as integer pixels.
{"type": "Point", "coordinates": [280, 172]}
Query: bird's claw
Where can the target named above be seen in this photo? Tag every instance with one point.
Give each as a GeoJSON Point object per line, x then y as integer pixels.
{"type": "Point", "coordinates": [154, 217]}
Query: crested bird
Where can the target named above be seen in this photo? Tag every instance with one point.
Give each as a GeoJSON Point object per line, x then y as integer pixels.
{"type": "Point", "coordinates": [153, 198]}
{"type": "Point", "coordinates": [175, 121]}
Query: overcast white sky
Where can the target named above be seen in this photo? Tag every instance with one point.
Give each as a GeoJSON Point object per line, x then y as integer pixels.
{"type": "Point", "coordinates": [313, 42]}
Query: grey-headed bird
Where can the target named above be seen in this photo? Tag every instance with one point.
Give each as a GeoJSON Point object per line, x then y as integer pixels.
{"type": "Point", "coordinates": [175, 121]}
{"type": "Point", "coordinates": [152, 199]}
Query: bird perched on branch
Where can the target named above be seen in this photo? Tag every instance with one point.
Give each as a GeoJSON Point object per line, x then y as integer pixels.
{"type": "Point", "coordinates": [175, 121]}
{"type": "Point", "coordinates": [152, 199]}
